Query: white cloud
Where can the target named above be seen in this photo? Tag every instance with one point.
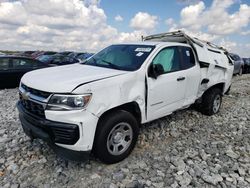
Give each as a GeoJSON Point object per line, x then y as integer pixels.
{"type": "Point", "coordinates": [187, 2]}
{"type": "Point", "coordinates": [57, 25]}
{"type": "Point", "coordinates": [238, 48]}
{"type": "Point", "coordinates": [245, 32]}
{"type": "Point", "coordinates": [214, 23]}
{"type": "Point", "coordinates": [232, 23]}
{"type": "Point", "coordinates": [118, 18]}
{"type": "Point", "coordinates": [190, 15]}
{"type": "Point", "coordinates": [229, 45]}
{"type": "Point", "coordinates": [169, 21]}
{"type": "Point", "coordinates": [8, 15]}
{"type": "Point", "coordinates": [203, 36]}
{"type": "Point", "coordinates": [215, 19]}
{"type": "Point", "coordinates": [144, 21]}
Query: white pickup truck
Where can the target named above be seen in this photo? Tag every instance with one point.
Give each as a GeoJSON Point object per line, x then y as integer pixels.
{"type": "Point", "coordinates": [98, 106]}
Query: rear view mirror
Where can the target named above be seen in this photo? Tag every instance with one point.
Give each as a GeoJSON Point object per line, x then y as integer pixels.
{"type": "Point", "coordinates": [155, 70]}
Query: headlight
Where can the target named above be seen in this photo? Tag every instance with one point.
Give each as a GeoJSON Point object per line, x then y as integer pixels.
{"type": "Point", "coordinates": [68, 102]}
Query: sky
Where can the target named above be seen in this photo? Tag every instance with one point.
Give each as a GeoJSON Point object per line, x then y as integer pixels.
{"type": "Point", "coordinates": [90, 25]}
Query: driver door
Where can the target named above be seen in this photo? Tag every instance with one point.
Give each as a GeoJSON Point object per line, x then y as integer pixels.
{"type": "Point", "coordinates": [166, 93]}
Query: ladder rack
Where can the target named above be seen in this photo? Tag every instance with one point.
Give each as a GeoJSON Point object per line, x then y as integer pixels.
{"type": "Point", "coordinates": [165, 37]}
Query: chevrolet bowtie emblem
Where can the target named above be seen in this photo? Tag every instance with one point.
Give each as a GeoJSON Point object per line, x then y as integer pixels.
{"type": "Point", "coordinates": [26, 95]}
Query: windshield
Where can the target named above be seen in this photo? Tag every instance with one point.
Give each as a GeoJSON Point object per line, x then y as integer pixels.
{"type": "Point", "coordinates": [234, 57]}
{"type": "Point", "coordinates": [121, 57]}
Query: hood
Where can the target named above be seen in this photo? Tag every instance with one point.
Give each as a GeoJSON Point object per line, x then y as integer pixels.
{"type": "Point", "coordinates": [64, 79]}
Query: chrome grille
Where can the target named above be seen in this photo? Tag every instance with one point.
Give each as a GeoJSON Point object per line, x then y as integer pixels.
{"type": "Point", "coordinates": [36, 92]}
{"type": "Point", "coordinates": [33, 100]}
{"type": "Point", "coordinates": [33, 107]}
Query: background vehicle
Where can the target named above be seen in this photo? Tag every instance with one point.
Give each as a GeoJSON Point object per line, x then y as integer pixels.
{"type": "Point", "coordinates": [57, 59]}
{"type": "Point", "coordinates": [238, 63]}
{"type": "Point", "coordinates": [65, 53]}
{"type": "Point", "coordinates": [12, 68]}
{"type": "Point", "coordinates": [80, 56]}
{"type": "Point", "coordinates": [246, 68]}
{"type": "Point", "coordinates": [84, 56]}
{"type": "Point", "coordinates": [74, 54]}
{"type": "Point", "coordinates": [25, 53]}
{"type": "Point", "coordinates": [46, 59]}
{"type": "Point", "coordinates": [97, 106]}
{"type": "Point", "coordinates": [39, 53]}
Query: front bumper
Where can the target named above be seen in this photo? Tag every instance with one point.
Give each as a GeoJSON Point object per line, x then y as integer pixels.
{"type": "Point", "coordinates": [53, 133]}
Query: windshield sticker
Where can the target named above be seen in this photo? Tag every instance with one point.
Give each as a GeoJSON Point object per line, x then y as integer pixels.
{"type": "Point", "coordinates": [143, 49]}
{"type": "Point", "coordinates": [188, 53]}
{"type": "Point", "coordinates": [139, 54]}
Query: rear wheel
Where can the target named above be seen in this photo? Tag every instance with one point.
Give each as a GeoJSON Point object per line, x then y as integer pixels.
{"type": "Point", "coordinates": [115, 137]}
{"type": "Point", "coordinates": [211, 101]}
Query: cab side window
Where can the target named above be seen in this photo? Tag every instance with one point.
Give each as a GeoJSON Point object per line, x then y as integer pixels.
{"type": "Point", "coordinates": [169, 59]}
{"type": "Point", "coordinates": [4, 64]}
{"type": "Point", "coordinates": [188, 57]}
{"type": "Point", "coordinates": [20, 64]}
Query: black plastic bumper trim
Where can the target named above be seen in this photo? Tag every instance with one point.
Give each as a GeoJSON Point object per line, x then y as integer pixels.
{"type": "Point", "coordinates": [32, 127]}
{"type": "Point", "coordinates": [55, 132]}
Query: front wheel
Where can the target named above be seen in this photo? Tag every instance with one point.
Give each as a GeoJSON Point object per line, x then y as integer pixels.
{"type": "Point", "coordinates": [211, 101]}
{"type": "Point", "coordinates": [116, 136]}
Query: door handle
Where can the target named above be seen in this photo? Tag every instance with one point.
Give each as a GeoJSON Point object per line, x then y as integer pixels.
{"type": "Point", "coordinates": [180, 78]}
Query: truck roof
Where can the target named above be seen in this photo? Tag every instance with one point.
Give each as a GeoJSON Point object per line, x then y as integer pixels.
{"type": "Point", "coordinates": [154, 43]}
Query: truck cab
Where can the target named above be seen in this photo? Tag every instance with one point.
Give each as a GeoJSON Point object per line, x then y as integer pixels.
{"type": "Point", "coordinates": [98, 106]}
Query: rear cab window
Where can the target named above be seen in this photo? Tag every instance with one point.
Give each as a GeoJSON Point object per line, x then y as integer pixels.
{"type": "Point", "coordinates": [187, 55]}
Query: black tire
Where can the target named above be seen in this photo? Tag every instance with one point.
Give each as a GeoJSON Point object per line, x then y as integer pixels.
{"type": "Point", "coordinates": [208, 101]}
{"type": "Point", "coordinates": [106, 127]}
{"type": "Point", "coordinates": [228, 90]}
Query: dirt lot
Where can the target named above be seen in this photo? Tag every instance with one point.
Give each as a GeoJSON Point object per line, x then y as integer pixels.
{"type": "Point", "coordinates": [186, 149]}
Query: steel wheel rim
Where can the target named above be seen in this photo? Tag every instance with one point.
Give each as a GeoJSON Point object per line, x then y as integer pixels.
{"type": "Point", "coordinates": [119, 138]}
{"type": "Point", "coordinates": [216, 104]}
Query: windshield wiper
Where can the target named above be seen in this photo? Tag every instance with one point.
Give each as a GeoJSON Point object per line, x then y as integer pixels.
{"type": "Point", "coordinates": [111, 64]}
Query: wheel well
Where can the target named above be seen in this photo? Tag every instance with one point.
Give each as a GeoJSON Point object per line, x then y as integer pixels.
{"type": "Point", "coordinates": [219, 86]}
{"type": "Point", "coordinates": [131, 107]}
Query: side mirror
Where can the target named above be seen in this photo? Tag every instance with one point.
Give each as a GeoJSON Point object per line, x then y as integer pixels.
{"type": "Point", "coordinates": [155, 70]}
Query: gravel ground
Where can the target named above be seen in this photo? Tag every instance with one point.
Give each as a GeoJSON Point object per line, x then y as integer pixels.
{"type": "Point", "coordinates": [185, 149]}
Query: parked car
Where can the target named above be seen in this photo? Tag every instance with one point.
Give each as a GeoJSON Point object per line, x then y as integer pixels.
{"type": "Point", "coordinates": [12, 68]}
{"type": "Point", "coordinates": [74, 54]}
{"type": "Point", "coordinates": [84, 56]}
{"type": "Point", "coordinates": [39, 53]}
{"type": "Point", "coordinates": [26, 53]}
{"type": "Point", "coordinates": [99, 105]}
{"type": "Point", "coordinates": [246, 68]}
{"type": "Point", "coordinates": [57, 59]}
{"type": "Point", "coordinates": [65, 53]}
{"type": "Point", "coordinates": [80, 56]}
{"type": "Point", "coordinates": [238, 63]}
{"type": "Point", "coordinates": [46, 59]}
